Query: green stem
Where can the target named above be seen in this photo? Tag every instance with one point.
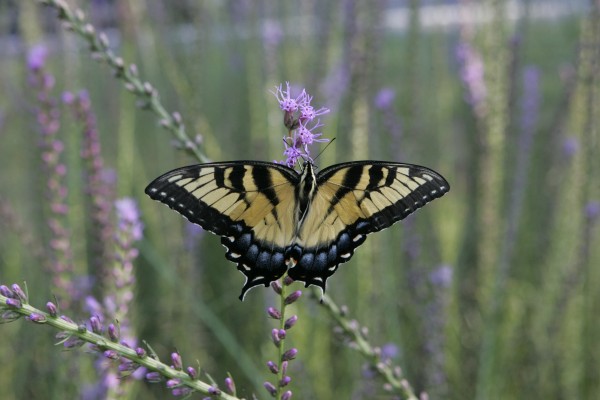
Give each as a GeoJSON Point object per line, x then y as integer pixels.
{"type": "Point", "coordinates": [104, 344]}
{"type": "Point", "coordinates": [282, 307]}
{"type": "Point", "coordinates": [148, 95]}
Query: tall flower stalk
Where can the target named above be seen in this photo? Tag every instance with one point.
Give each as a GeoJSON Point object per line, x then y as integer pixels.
{"type": "Point", "coordinates": [60, 256]}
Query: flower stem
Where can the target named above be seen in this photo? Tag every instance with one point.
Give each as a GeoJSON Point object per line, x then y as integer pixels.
{"type": "Point", "coordinates": [83, 333]}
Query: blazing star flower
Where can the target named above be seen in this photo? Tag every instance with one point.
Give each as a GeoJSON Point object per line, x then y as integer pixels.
{"type": "Point", "coordinates": [298, 112]}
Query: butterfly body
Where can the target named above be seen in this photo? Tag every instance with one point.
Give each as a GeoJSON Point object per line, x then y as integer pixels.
{"type": "Point", "coordinates": [269, 216]}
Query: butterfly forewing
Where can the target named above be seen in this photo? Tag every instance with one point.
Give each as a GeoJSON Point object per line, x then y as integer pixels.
{"type": "Point", "coordinates": [351, 201]}
{"type": "Point", "coordinates": [249, 204]}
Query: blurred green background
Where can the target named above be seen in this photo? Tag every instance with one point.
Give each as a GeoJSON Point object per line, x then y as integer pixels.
{"type": "Point", "coordinates": [491, 292]}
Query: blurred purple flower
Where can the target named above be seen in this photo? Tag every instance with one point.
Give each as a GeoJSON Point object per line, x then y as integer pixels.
{"type": "Point", "coordinates": [272, 32]}
{"type": "Point", "coordinates": [592, 210]}
{"type": "Point", "coordinates": [441, 276]}
{"type": "Point", "coordinates": [389, 351]}
{"type": "Point", "coordinates": [472, 72]}
{"type": "Point", "coordinates": [128, 215]}
{"type": "Point", "coordinates": [36, 58]}
{"type": "Point", "coordinates": [385, 98]}
{"type": "Point", "coordinates": [570, 146]}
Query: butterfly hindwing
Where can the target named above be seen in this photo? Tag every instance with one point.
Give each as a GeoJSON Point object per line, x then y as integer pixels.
{"type": "Point", "coordinates": [352, 200]}
{"type": "Point", "coordinates": [249, 204]}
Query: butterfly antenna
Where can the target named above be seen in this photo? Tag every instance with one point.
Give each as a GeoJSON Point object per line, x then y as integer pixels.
{"type": "Point", "coordinates": [324, 148]}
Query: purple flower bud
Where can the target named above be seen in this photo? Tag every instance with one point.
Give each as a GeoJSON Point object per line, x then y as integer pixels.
{"type": "Point", "coordinates": [276, 287]}
{"type": "Point", "coordinates": [171, 383]}
{"type": "Point", "coordinates": [96, 324]}
{"type": "Point", "coordinates": [153, 377]}
{"type": "Point", "coordinates": [176, 359]}
{"type": "Point", "coordinates": [37, 57]}
{"type": "Point", "coordinates": [287, 281]}
{"type": "Point", "coordinates": [19, 292]}
{"type": "Point", "coordinates": [13, 303]}
{"type": "Point", "coordinates": [112, 333]}
{"type": "Point", "coordinates": [191, 371]}
{"type": "Point", "coordinates": [181, 391]}
{"type": "Point", "coordinates": [282, 334]}
{"type": "Point", "coordinates": [285, 381]}
{"type": "Point", "coordinates": [141, 353]}
{"type": "Point", "coordinates": [287, 395]}
{"type": "Point", "coordinates": [213, 391]}
{"type": "Point", "coordinates": [284, 366]}
{"type": "Point", "coordinates": [289, 355]}
{"type": "Point", "coordinates": [272, 367]}
{"type": "Point", "coordinates": [275, 337]}
{"type": "Point", "coordinates": [230, 385]}
{"type": "Point", "coordinates": [111, 354]}
{"type": "Point", "coordinates": [65, 318]}
{"type": "Point", "coordinates": [128, 366]}
{"type": "Point", "coordinates": [5, 291]}
{"type": "Point", "coordinates": [274, 313]}
{"type": "Point", "coordinates": [270, 388]}
{"type": "Point", "coordinates": [51, 308]}
{"type": "Point", "coordinates": [293, 297]}
{"type": "Point", "coordinates": [291, 321]}
{"type": "Point", "coordinates": [39, 318]}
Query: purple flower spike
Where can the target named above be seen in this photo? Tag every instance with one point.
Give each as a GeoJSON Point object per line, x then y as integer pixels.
{"type": "Point", "coordinates": [293, 297]}
{"type": "Point", "coordinates": [176, 359]}
{"type": "Point", "coordinates": [287, 395]}
{"type": "Point", "coordinates": [140, 352]}
{"type": "Point", "coordinates": [270, 388]}
{"type": "Point", "coordinates": [111, 354]}
{"type": "Point", "coordinates": [289, 355]}
{"type": "Point", "coordinates": [213, 391]}
{"type": "Point", "coordinates": [230, 385]}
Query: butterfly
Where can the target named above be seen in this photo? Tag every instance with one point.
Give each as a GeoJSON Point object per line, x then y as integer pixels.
{"type": "Point", "coordinates": [271, 217]}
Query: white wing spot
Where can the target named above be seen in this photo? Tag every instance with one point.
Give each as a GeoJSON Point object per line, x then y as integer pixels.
{"type": "Point", "coordinates": [230, 238]}
{"type": "Point", "coordinates": [153, 190]}
{"type": "Point", "coordinates": [427, 176]}
{"type": "Point", "coordinates": [190, 212]}
{"type": "Point", "coordinates": [246, 268]}
{"type": "Point", "coordinates": [434, 191]}
{"type": "Point", "coordinates": [235, 255]}
{"type": "Point", "coordinates": [180, 205]}
{"type": "Point", "coordinates": [163, 194]}
{"type": "Point", "coordinates": [406, 209]}
{"type": "Point", "coordinates": [346, 255]}
{"type": "Point", "coordinates": [425, 197]}
{"type": "Point", "coordinates": [333, 268]}
{"type": "Point", "coordinates": [357, 238]}
{"type": "Point", "coordinates": [174, 178]}
{"type": "Point", "coordinates": [172, 199]}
